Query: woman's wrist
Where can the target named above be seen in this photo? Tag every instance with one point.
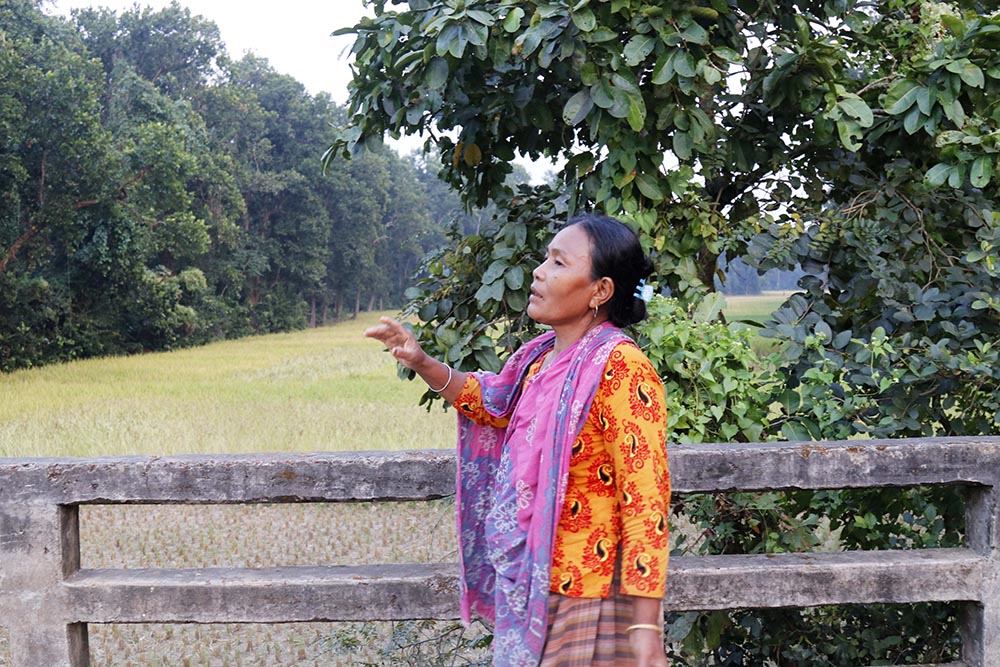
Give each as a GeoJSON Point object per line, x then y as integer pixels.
{"type": "Point", "coordinates": [438, 375]}
{"type": "Point", "coordinates": [426, 366]}
{"type": "Point", "coordinates": [446, 384]}
{"type": "Point", "coordinates": [645, 626]}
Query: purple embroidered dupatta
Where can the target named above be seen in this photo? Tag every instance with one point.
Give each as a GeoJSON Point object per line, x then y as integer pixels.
{"type": "Point", "coordinates": [512, 482]}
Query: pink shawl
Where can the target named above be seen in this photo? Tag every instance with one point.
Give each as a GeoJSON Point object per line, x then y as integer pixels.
{"type": "Point", "coordinates": [511, 486]}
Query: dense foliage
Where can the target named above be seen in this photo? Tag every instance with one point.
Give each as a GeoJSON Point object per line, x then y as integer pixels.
{"type": "Point", "coordinates": [854, 142]}
{"type": "Point", "coordinates": [156, 193]}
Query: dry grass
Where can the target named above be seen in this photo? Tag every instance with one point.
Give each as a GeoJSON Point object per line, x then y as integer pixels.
{"type": "Point", "coordinates": [174, 536]}
{"type": "Point", "coordinates": [754, 308]}
{"type": "Point", "coordinates": [321, 389]}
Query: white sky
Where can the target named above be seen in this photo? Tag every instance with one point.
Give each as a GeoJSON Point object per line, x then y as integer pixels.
{"type": "Point", "coordinates": [294, 36]}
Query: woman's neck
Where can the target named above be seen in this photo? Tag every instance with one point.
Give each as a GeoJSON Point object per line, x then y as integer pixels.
{"type": "Point", "coordinates": [566, 336]}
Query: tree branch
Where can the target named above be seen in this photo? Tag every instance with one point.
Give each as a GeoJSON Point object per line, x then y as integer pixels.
{"type": "Point", "coordinates": [15, 247]}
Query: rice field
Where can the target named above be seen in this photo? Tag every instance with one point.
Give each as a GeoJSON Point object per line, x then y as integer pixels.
{"type": "Point", "coordinates": [321, 389]}
{"type": "Point", "coordinates": [315, 390]}
{"type": "Point", "coordinates": [754, 308]}
{"type": "Point", "coordinates": [261, 536]}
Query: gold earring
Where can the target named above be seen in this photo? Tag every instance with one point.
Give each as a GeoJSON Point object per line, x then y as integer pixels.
{"type": "Point", "coordinates": [595, 313]}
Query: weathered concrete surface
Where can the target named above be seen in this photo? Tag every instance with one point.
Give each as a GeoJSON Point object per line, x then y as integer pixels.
{"type": "Point", "coordinates": [412, 475]}
{"type": "Point", "coordinates": [36, 552]}
{"type": "Point", "coordinates": [272, 595]}
{"type": "Point", "coordinates": [835, 465]}
{"type": "Point", "coordinates": [815, 579]}
{"type": "Point", "coordinates": [338, 476]}
{"type": "Point", "coordinates": [46, 601]}
{"type": "Point", "coordinates": [980, 622]}
{"type": "Point", "coordinates": [392, 592]}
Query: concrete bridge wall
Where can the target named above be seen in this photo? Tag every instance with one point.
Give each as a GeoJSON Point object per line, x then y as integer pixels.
{"type": "Point", "coordinates": [47, 600]}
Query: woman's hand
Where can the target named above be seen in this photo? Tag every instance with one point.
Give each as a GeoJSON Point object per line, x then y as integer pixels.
{"type": "Point", "coordinates": [647, 640]}
{"type": "Point", "coordinates": [403, 346]}
{"type": "Point", "coordinates": [401, 343]}
{"type": "Point", "coordinates": [647, 647]}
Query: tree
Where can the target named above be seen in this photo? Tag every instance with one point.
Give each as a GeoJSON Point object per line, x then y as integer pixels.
{"type": "Point", "coordinates": [154, 193]}
{"type": "Point", "coordinates": [154, 62]}
{"type": "Point", "coordinates": [853, 142]}
{"type": "Point", "coordinates": [832, 123]}
{"type": "Point", "coordinates": [169, 48]}
{"type": "Point", "coordinates": [750, 100]}
{"type": "Point", "coordinates": [57, 216]}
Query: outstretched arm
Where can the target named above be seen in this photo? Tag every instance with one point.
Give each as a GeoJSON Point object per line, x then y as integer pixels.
{"type": "Point", "coordinates": [403, 346]}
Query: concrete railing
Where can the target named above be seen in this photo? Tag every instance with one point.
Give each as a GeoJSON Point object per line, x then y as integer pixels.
{"type": "Point", "coordinates": [47, 600]}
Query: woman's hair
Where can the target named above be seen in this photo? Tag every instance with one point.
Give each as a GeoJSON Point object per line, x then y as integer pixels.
{"type": "Point", "coordinates": [615, 252]}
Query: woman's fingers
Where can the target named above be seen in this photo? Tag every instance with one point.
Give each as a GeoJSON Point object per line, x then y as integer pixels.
{"type": "Point", "coordinates": [390, 332]}
{"type": "Point", "coordinates": [399, 340]}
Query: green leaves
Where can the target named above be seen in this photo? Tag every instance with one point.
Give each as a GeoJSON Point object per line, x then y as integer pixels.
{"type": "Point", "coordinates": [584, 19]}
{"type": "Point", "coordinates": [437, 73]}
{"type": "Point", "coordinates": [901, 96]}
{"type": "Point", "coordinates": [649, 186]}
{"type": "Point", "coordinates": [856, 108]}
{"type": "Point", "coordinates": [456, 36]}
{"type": "Point", "coordinates": [636, 112]}
{"type": "Point", "coordinates": [512, 22]}
{"type": "Point", "coordinates": [851, 115]}
{"type": "Point", "coordinates": [716, 386]}
{"type": "Point", "coordinates": [970, 73]}
{"type": "Point", "coordinates": [638, 48]}
{"type": "Point", "coordinates": [982, 171]}
{"type": "Point", "coordinates": [577, 107]}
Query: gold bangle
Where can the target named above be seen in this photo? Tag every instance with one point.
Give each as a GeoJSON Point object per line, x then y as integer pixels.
{"type": "Point", "coordinates": [644, 626]}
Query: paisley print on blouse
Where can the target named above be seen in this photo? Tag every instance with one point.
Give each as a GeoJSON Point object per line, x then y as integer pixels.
{"type": "Point", "coordinates": [618, 491]}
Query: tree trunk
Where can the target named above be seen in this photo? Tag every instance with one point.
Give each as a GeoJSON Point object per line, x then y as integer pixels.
{"type": "Point", "coordinates": [708, 264]}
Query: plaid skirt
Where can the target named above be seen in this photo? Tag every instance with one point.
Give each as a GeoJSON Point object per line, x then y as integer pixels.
{"type": "Point", "coordinates": [588, 632]}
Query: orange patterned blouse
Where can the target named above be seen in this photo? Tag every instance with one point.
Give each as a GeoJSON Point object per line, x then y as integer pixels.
{"type": "Point", "coordinates": [618, 493]}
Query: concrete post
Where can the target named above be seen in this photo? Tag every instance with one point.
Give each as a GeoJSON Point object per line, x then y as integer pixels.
{"type": "Point", "coordinates": [980, 622]}
{"type": "Point", "coordinates": [39, 547]}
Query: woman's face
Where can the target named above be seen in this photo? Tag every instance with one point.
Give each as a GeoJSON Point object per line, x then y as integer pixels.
{"type": "Point", "coordinates": [562, 289]}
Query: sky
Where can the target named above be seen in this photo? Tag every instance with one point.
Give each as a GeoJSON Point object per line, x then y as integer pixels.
{"type": "Point", "coordinates": [294, 36]}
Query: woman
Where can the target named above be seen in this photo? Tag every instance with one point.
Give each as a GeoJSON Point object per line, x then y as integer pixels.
{"type": "Point", "coordinates": [563, 488]}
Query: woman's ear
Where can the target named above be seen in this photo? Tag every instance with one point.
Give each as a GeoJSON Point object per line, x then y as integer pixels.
{"type": "Point", "coordinates": [604, 289]}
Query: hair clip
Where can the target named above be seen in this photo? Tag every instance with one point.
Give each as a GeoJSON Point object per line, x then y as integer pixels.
{"type": "Point", "coordinates": [644, 291]}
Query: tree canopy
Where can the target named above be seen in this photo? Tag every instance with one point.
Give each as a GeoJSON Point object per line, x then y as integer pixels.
{"type": "Point", "coordinates": [691, 118]}
{"type": "Point", "coordinates": [155, 192]}
{"type": "Point", "coordinates": [854, 143]}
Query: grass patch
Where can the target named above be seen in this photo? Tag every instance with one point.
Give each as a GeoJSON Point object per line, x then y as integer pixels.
{"type": "Point", "coordinates": [268, 535]}
{"type": "Point", "coordinates": [320, 389]}
{"type": "Point", "coordinates": [756, 308]}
